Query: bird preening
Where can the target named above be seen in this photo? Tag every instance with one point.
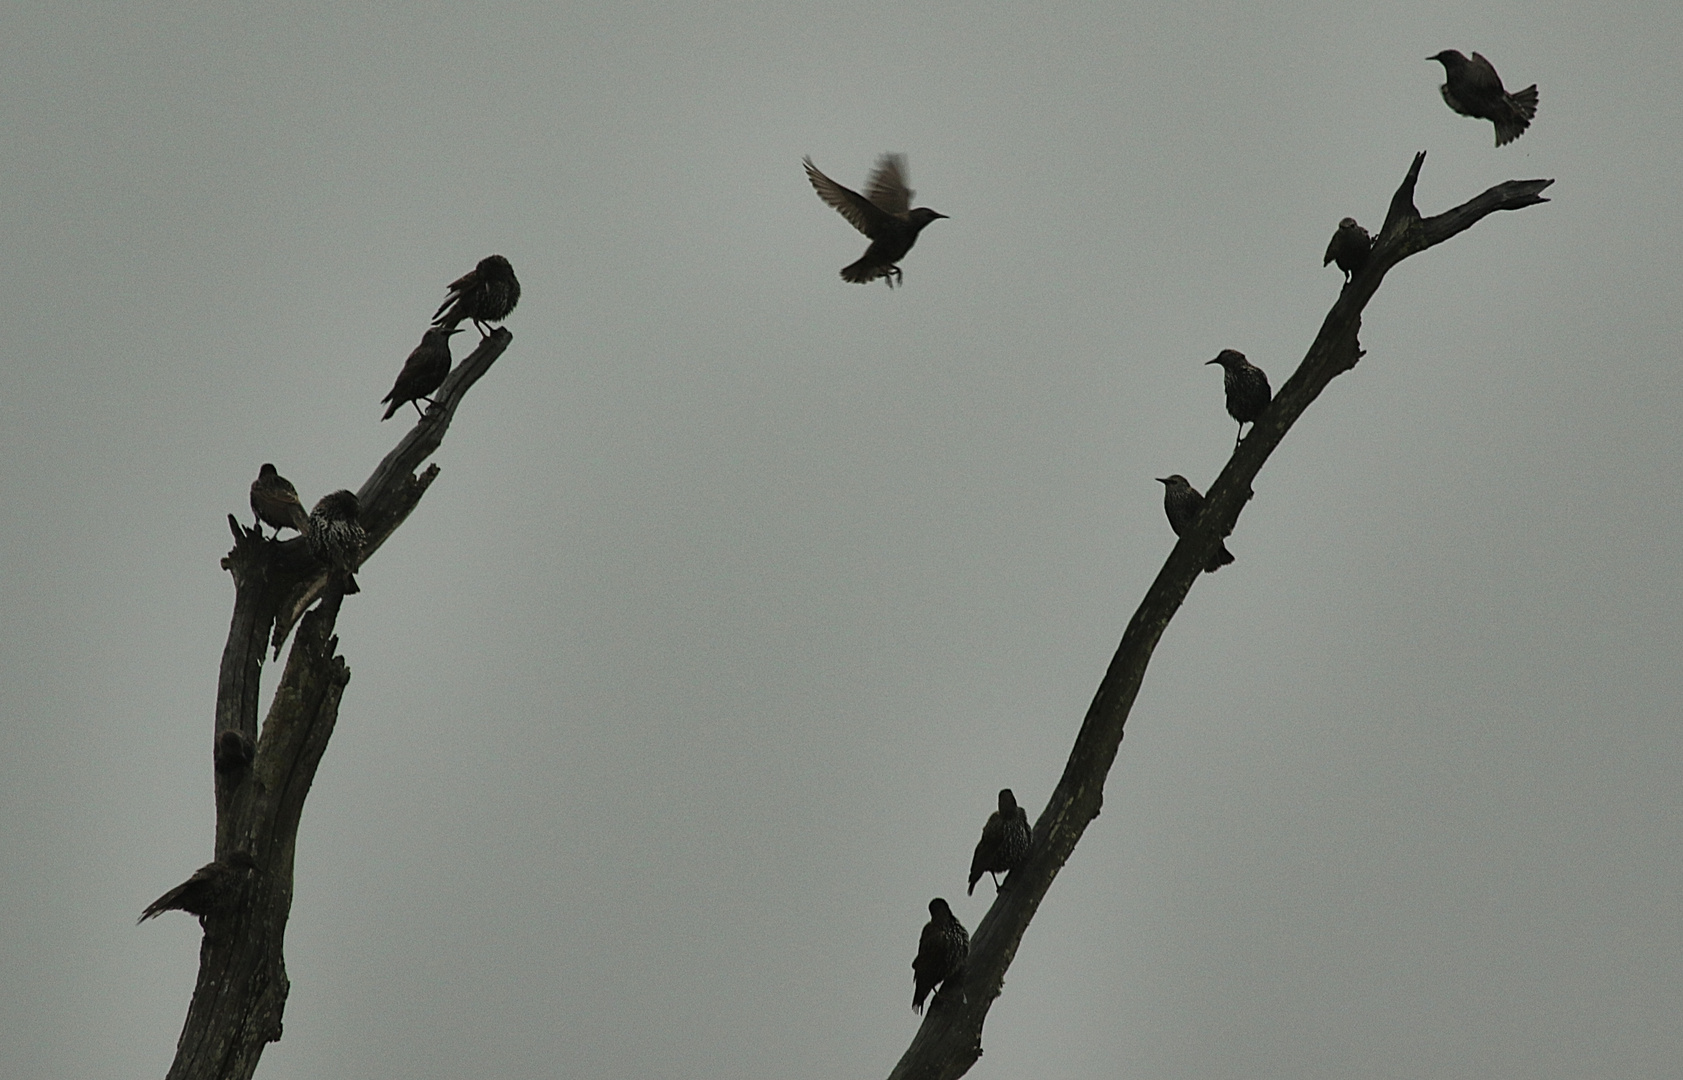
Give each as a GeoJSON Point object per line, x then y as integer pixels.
{"type": "Point", "coordinates": [1005, 842]}
{"type": "Point", "coordinates": [485, 294]}
{"type": "Point", "coordinates": [883, 214]}
{"type": "Point", "coordinates": [1247, 388]}
{"type": "Point", "coordinates": [1182, 502]}
{"type": "Point", "coordinates": [336, 537]}
{"type": "Point", "coordinates": [1472, 88]}
{"type": "Point", "coordinates": [423, 372]}
{"type": "Point", "coordinates": [941, 952]}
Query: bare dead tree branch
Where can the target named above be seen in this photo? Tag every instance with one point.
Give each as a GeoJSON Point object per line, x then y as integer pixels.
{"type": "Point", "coordinates": [263, 778]}
{"type": "Point", "coordinates": [949, 1041]}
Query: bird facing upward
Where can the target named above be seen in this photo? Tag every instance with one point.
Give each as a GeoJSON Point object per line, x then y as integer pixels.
{"type": "Point", "coordinates": [1181, 501]}
{"type": "Point", "coordinates": [881, 213]}
{"type": "Point", "coordinates": [941, 952]}
{"type": "Point", "coordinates": [1474, 89]}
{"type": "Point", "coordinates": [485, 294]}
{"type": "Point", "coordinates": [423, 372]}
{"type": "Point", "coordinates": [1004, 844]}
{"type": "Point", "coordinates": [1349, 248]}
{"type": "Point", "coordinates": [1246, 385]}
{"type": "Point", "coordinates": [275, 501]}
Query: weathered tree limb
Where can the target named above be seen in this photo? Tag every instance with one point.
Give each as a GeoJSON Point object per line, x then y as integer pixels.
{"type": "Point", "coordinates": [949, 1041]}
{"type": "Point", "coordinates": [262, 778]}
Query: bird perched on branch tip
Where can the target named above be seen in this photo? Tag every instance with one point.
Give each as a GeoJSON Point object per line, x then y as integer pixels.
{"type": "Point", "coordinates": [883, 214]}
{"type": "Point", "coordinates": [1349, 248]}
{"type": "Point", "coordinates": [941, 952]}
{"type": "Point", "coordinates": [1182, 502]}
{"type": "Point", "coordinates": [275, 502]}
{"type": "Point", "coordinates": [485, 294]}
{"type": "Point", "coordinates": [1472, 88]}
{"type": "Point", "coordinates": [423, 372]}
{"type": "Point", "coordinates": [1005, 841]}
{"type": "Point", "coordinates": [1246, 385]}
{"type": "Point", "coordinates": [336, 536]}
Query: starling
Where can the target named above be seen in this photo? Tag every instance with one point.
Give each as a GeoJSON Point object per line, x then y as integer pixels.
{"type": "Point", "coordinates": [423, 372]}
{"type": "Point", "coordinates": [485, 294]}
{"type": "Point", "coordinates": [1348, 247]}
{"type": "Point", "coordinates": [211, 887]}
{"type": "Point", "coordinates": [881, 215]}
{"type": "Point", "coordinates": [1004, 845]}
{"type": "Point", "coordinates": [1247, 389]}
{"type": "Point", "coordinates": [336, 538]}
{"type": "Point", "coordinates": [1474, 89]}
{"type": "Point", "coordinates": [940, 952]}
{"type": "Point", "coordinates": [1182, 502]}
{"type": "Point", "coordinates": [275, 502]}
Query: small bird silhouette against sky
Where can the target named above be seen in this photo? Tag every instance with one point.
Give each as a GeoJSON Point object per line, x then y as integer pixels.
{"type": "Point", "coordinates": [485, 294]}
{"type": "Point", "coordinates": [1004, 844]}
{"type": "Point", "coordinates": [1181, 502]}
{"type": "Point", "coordinates": [881, 213]}
{"type": "Point", "coordinates": [941, 952]}
{"type": "Point", "coordinates": [1349, 248]}
{"type": "Point", "coordinates": [1474, 89]}
{"type": "Point", "coordinates": [275, 501]}
{"type": "Point", "coordinates": [423, 372]}
{"type": "Point", "coordinates": [1247, 388]}
{"type": "Point", "coordinates": [211, 886]}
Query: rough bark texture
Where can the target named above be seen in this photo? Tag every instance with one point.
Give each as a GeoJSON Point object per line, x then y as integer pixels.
{"type": "Point", "coordinates": [263, 778]}
{"type": "Point", "coordinates": [949, 1041]}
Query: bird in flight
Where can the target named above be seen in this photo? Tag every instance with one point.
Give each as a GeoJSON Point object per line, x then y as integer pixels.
{"type": "Point", "coordinates": [883, 214]}
{"type": "Point", "coordinates": [1474, 89]}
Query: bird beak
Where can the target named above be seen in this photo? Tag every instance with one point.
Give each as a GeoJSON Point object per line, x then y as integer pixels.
{"type": "Point", "coordinates": [1207, 363]}
{"type": "Point", "coordinates": [1162, 479]}
{"type": "Point", "coordinates": [454, 330]}
{"type": "Point", "coordinates": [939, 214]}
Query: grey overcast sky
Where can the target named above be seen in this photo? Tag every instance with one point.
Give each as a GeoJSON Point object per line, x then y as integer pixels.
{"type": "Point", "coordinates": [743, 589]}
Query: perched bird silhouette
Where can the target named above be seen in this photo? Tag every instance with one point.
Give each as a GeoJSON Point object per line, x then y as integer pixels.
{"type": "Point", "coordinates": [211, 888]}
{"type": "Point", "coordinates": [881, 214]}
{"type": "Point", "coordinates": [941, 952]}
{"type": "Point", "coordinates": [1247, 388]}
{"type": "Point", "coordinates": [336, 537]}
{"type": "Point", "coordinates": [1004, 845]}
{"type": "Point", "coordinates": [1349, 248]}
{"type": "Point", "coordinates": [275, 502]}
{"type": "Point", "coordinates": [423, 372]}
{"type": "Point", "coordinates": [1474, 89]}
{"type": "Point", "coordinates": [485, 294]}
{"type": "Point", "coordinates": [1182, 502]}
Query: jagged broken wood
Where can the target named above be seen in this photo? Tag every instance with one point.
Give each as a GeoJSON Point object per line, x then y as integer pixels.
{"type": "Point", "coordinates": [263, 778]}
{"type": "Point", "coordinates": [949, 1040]}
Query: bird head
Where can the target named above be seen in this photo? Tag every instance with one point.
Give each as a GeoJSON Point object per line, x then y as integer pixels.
{"type": "Point", "coordinates": [1229, 358]}
{"type": "Point", "coordinates": [938, 909]}
{"type": "Point", "coordinates": [267, 472]}
{"type": "Point", "coordinates": [494, 267]}
{"type": "Point", "coordinates": [1348, 223]}
{"type": "Point", "coordinates": [1007, 802]}
{"type": "Point", "coordinates": [1449, 58]}
{"type": "Point", "coordinates": [922, 216]}
{"type": "Point", "coordinates": [1172, 481]}
{"type": "Point", "coordinates": [339, 504]}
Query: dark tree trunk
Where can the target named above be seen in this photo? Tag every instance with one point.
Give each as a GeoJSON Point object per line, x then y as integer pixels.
{"type": "Point", "coordinates": [950, 1038]}
{"type": "Point", "coordinates": [262, 779]}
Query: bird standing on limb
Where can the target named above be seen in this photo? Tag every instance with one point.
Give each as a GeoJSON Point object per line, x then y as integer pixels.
{"type": "Point", "coordinates": [212, 887]}
{"type": "Point", "coordinates": [882, 214]}
{"type": "Point", "coordinates": [336, 536]}
{"type": "Point", "coordinates": [423, 372]}
{"type": "Point", "coordinates": [1005, 841]}
{"type": "Point", "coordinates": [485, 294]}
{"type": "Point", "coordinates": [275, 502]}
{"type": "Point", "coordinates": [941, 952]}
{"type": "Point", "coordinates": [1349, 248]}
{"type": "Point", "coordinates": [1246, 386]}
{"type": "Point", "coordinates": [1181, 502]}
{"type": "Point", "coordinates": [1474, 89]}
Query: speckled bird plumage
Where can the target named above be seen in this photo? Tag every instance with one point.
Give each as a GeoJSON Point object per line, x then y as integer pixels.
{"type": "Point", "coordinates": [1472, 88]}
{"type": "Point", "coordinates": [336, 535]}
{"type": "Point", "coordinates": [485, 294]}
{"type": "Point", "coordinates": [941, 952]}
{"type": "Point", "coordinates": [275, 501]}
{"type": "Point", "coordinates": [423, 372]}
{"type": "Point", "coordinates": [1246, 385]}
{"type": "Point", "coordinates": [1349, 248]}
{"type": "Point", "coordinates": [1182, 502]}
{"type": "Point", "coordinates": [1004, 844]}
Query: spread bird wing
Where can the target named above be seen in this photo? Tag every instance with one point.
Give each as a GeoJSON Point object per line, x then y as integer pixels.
{"type": "Point", "coordinates": [888, 188]}
{"type": "Point", "coordinates": [857, 209]}
{"type": "Point", "coordinates": [1481, 73]}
